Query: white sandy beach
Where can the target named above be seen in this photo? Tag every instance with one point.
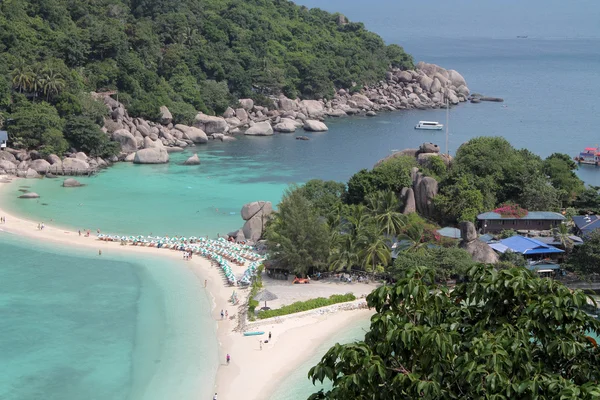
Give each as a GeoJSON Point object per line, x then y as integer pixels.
{"type": "Point", "coordinates": [252, 373]}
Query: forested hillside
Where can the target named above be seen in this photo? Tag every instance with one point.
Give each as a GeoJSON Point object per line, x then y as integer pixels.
{"type": "Point", "coordinates": [187, 54]}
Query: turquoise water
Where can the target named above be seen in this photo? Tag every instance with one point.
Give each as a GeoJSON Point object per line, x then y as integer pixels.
{"type": "Point", "coordinates": [296, 385]}
{"type": "Point", "coordinates": [74, 326]}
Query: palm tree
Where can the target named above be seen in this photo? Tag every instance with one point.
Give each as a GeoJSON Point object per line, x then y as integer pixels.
{"type": "Point", "coordinates": [374, 249]}
{"type": "Point", "coordinates": [414, 235]}
{"type": "Point", "coordinates": [52, 83]}
{"type": "Point", "coordinates": [37, 82]}
{"type": "Point", "coordinates": [22, 76]}
{"type": "Point", "coordinates": [345, 254]}
{"type": "Point", "coordinates": [383, 207]}
{"type": "Point", "coordinates": [562, 234]}
{"type": "Point", "coordinates": [357, 220]}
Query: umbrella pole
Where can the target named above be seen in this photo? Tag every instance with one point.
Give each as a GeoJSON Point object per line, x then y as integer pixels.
{"type": "Point", "coordinates": [265, 303]}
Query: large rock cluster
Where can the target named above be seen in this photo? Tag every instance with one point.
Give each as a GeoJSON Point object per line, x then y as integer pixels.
{"type": "Point", "coordinates": [428, 86]}
{"type": "Point", "coordinates": [153, 141]}
{"type": "Point", "coordinates": [424, 153]}
{"type": "Point", "coordinates": [31, 164]}
{"type": "Point", "coordinates": [480, 251]}
{"type": "Point", "coordinates": [256, 215]}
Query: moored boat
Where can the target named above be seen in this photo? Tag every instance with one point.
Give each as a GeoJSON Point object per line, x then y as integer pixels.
{"type": "Point", "coordinates": [253, 333]}
{"type": "Point", "coordinates": [589, 156]}
{"type": "Point", "coordinates": [429, 125]}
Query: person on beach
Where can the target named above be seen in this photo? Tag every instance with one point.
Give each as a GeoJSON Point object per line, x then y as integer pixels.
{"type": "Point", "coordinates": [42, 226]}
{"type": "Point", "coordinates": [269, 336]}
{"type": "Point", "coordinates": [205, 281]}
{"type": "Point", "coordinates": [215, 397]}
{"type": "Point", "coordinates": [79, 232]}
{"type": "Point", "coordinates": [260, 343]}
{"type": "Point", "coordinates": [228, 358]}
{"type": "Point", "coordinates": [222, 314]}
{"type": "Point", "coordinates": [226, 314]}
{"type": "Point", "coordinates": [39, 227]}
{"type": "Point", "coordinates": [99, 252]}
{"type": "Point", "coordinates": [98, 230]}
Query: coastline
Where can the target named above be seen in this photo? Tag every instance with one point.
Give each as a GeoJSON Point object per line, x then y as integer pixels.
{"type": "Point", "coordinates": [240, 379]}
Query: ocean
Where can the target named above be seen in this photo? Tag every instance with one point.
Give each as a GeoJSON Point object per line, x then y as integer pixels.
{"type": "Point", "coordinates": [70, 330]}
{"type": "Point", "coordinates": [74, 326]}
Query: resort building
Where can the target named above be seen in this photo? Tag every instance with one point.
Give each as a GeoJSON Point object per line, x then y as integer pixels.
{"type": "Point", "coordinates": [530, 248]}
{"type": "Point", "coordinates": [586, 224]}
{"type": "Point", "coordinates": [491, 222]}
{"type": "Point", "coordinates": [3, 139]}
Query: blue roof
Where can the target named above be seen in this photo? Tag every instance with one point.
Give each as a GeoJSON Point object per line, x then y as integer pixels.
{"type": "Point", "coordinates": [449, 232]}
{"type": "Point", "coordinates": [535, 215]}
{"type": "Point", "coordinates": [524, 245]}
{"type": "Point", "coordinates": [486, 238]}
{"type": "Point", "coordinates": [587, 223]}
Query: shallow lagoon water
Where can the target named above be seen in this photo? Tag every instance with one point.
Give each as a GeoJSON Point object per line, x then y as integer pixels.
{"type": "Point", "coordinates": [75, 326]}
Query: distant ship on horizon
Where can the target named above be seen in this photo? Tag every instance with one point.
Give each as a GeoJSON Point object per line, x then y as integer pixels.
{"type": "Point", "coordinates": [522, 37]}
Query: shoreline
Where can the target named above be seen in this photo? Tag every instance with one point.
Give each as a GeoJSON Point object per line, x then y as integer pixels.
{"type": "Point", "coordinates": [240, 379]}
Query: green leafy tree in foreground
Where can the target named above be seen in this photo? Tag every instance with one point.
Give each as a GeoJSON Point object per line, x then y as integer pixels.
{"type": "Point", "coordinates": [501, 335]}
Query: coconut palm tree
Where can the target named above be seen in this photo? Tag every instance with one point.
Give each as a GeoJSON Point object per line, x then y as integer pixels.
{"type": "Point", "coordinates": [37, 82]}
{"type": "Point", "coordinates": [344, 255]}
{"type": "Point", "coordinates": [374, 249]}
{"type": "Point", "coordinates": [52, 83]}
{"type": "Point", "coordinates": [22, 76]}
{"type": "Point", "coordinates": [562, 235]}
{"type": "Point", "coordinates": [357, 220]}
{"type": "Point", "coordinates": [414, 235]}
{"type": "Point", "coordinates": [384, 209]}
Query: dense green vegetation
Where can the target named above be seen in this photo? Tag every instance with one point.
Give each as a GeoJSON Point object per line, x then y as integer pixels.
{"type": "Point", "coordinates": [307, 305]}
{"type": "Point", "coordinates": [187, 54]}
{"type": "Point", "coordinates": [586, 258]}
{"type": "Point", "coordinates": [322, 227]}
{"type": "Point", "coordinates": [498, 335]}
{"type": "Point", "coordinates": [326, 226]}
{"type": "Point", "coordinates": [489, 171]}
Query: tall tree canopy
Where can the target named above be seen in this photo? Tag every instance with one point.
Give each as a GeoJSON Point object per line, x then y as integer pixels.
{"type": "Point", "coordinates": [298, 238]}
{"type": "Point", "coordinates": [489, 171]}
{"type": "Point", "coordinates": [500, 335]}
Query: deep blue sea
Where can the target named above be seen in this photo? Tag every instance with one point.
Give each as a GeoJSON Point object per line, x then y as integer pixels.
{"type": "Point", "coordinates": [85, 313]}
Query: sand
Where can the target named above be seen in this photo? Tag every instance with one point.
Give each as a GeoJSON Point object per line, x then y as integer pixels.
{"type": "Point", "coordinates": [252, 373]}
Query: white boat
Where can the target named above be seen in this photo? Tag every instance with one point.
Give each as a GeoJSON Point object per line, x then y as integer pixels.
{"type": "Point", "coordinates": [429, 125]}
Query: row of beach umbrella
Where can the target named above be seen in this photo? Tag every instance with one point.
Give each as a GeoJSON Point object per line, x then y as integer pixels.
{"type": "Point", "coordinates": [221, 251]}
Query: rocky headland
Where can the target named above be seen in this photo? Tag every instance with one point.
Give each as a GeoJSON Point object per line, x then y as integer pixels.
{"type": "Point", "coordinates": [141, 141]}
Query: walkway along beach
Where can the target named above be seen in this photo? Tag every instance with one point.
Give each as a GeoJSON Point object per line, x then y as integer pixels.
{"type": "Point", "coordinates": [252, 373]}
